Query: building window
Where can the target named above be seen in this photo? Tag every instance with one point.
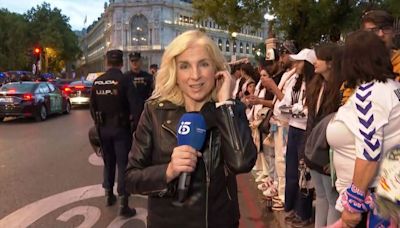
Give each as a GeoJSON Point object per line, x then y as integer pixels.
{"type": "Point", "coordinates": [253, 49]}
{"type": "Point", "coordinates": [151, 37]}
{"type": "Point", "coordinates": [227, 46]}
{"type": "Point", "coordinates": [241, 47]}
{"type": "Point", "coordinates": [234, 47]}
{"type": "Point", "coordinates": [247, 48]}
{"type": "Point", "coordinates": [220, 44]}
{"type": "Point", "coordinates": [139, 30]}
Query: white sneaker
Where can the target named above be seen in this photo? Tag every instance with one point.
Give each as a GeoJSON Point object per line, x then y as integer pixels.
{"type": "Point", "coordinates": [259, 172]}
{"type": "Point", "coordinates": [268, 180]}
{"type": "Point", "coordinates": [260, 177]}
{"type": "Point", "coordinates": [270, 192]}
{"type": "Point", "coordinates": [278, 206]}
{"type": "Point", "coordinates": [262, 186]}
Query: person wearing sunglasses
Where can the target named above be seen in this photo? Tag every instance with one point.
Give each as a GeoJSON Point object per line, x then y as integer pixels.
{"type": "Point", "coordinates": [381, 23]}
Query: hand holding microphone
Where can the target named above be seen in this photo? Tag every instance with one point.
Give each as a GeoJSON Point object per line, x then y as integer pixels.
{"type": "Point", "coordinates": [183, 159]}
{"type": "Point", "coordinates": [191, 137]}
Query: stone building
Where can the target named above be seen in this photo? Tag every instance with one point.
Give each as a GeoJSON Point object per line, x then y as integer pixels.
{"type": "Point", "coordinates": [148, 26]}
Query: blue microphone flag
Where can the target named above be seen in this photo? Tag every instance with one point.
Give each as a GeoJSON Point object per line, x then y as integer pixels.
{"type": "Point", "coordinates": [192, 130]}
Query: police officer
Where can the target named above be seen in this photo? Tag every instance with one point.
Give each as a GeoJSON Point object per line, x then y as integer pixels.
{"type": "Point", "coordinates": [112, 107]}
{"type": "Point", "coordinates": [153, 70]}
{"type": "Point", "coordinates": [141, 80]}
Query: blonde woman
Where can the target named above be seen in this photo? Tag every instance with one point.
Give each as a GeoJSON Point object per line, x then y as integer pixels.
{"type": "Point", "coordinates": [193, 77]}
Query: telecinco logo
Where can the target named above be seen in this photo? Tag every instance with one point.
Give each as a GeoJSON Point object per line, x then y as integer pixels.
{"type": "Point", "coordinates": [184, 128]}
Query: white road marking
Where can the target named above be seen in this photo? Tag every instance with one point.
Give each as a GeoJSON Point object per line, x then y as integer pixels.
{"type": "Point", "coordinates": [28, 214]}
{"type": "Point", "coordinates": [96, 160]}
{"type": "Point", "coordinates": [91, 214]}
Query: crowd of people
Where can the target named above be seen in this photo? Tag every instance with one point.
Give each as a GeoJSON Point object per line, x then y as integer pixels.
{"type": "Point", "coordinates": [322, 120]}
{"type": "Point", "coordinates": [312, 123]}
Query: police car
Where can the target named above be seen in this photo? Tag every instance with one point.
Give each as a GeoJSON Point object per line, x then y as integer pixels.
{"type": "Point", "coordinates": [32, 99]}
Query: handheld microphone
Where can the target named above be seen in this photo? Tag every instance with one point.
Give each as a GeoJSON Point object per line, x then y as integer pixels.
{"type": "Point", "coordinates": [192, 132]}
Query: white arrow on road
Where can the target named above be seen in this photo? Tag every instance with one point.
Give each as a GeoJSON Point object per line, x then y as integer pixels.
{"type": "Point", "coordinates": [27, 215]}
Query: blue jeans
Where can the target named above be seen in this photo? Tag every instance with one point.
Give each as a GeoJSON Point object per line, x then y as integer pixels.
{"type": "Point", "coordinates": [269, 154]}
{"type": "Point", "coordinates": [326, 196]}
{"type": "Point", "coordinates": [295, 200]}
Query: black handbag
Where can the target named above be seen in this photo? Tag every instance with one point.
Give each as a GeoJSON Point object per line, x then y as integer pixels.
{"type": "Point", "coordinates": [265, 125]}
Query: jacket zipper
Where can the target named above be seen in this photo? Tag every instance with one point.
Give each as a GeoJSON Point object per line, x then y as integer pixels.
{"type": "Point", "coordinates": [161, 192]}
{"type": "Point", "coordinates": [168, 129]}
{"type": "Point", "coordinates": [208, 169]}
{"type": "Point", "coordinates": [226, 184]}
{"type": "Point", "coordinates": [233, 129]}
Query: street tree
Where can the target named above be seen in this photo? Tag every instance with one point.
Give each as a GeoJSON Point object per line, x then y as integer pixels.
{"type": "Point", "coordinates": [14, 42]}
{"type": "Point", "coordinates": [311, 21]}
{"type": "Point", "coordinates": [50, 29]}
{"type": "Point", "coordinates": [232, 15]}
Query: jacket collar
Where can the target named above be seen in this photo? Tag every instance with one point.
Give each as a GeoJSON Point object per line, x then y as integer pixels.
{"type": "Point", "coordinates": [172, 121]}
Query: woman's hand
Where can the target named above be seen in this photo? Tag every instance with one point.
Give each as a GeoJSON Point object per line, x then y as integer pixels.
{"type": "Point", "coordinates": [268, 83]}
{"type": "Point", "coordinates": [350, 219]}
{"type": "Point", "coordinates": [183, 159]}
{"type": "Point", "coordinates": [253, 100]}
{"type": "Point", "coordinates": [225, 85]}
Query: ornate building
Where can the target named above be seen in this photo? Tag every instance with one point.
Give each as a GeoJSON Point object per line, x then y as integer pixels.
{"type": "Point", "coordinates": [148, 26]}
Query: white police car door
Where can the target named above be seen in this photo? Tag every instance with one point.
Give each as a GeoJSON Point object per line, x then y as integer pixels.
{"type": "Point", "coordinates": [55, 99]}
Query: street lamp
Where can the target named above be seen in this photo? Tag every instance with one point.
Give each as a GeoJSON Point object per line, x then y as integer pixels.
{"type": "Point", "coordinates": [269, 17]}
{"type": "Point", "coordinates": [233, 35]}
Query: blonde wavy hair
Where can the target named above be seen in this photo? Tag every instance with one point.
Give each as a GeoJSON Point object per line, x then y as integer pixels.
{"type": "Point", "coordinates": [166, 87]}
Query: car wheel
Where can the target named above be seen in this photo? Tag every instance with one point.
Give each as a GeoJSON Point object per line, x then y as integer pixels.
{"type": "Point", "coordinates": [42, 115]}
{"type": "Point", "coordinates": [67, 108]}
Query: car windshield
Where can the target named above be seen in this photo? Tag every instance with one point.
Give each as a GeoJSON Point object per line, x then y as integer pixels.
{"type": "Point", "coordinates": [85, 83]}
{"type": "Point", "coordinates": [17, 87]}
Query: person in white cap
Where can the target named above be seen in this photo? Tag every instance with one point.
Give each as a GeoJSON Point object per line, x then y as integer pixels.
{"type": "Point", "coordinates": [298, 200]}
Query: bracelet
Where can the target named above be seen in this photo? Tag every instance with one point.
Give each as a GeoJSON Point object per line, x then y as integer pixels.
{"type": "Point", "coordinates": [355, 201]}
{"type": "Point", "coordinates": [227, 102]}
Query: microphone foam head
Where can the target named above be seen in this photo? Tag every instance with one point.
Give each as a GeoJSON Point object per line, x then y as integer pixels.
{"type": "Point", "coordinates": [192, 130]}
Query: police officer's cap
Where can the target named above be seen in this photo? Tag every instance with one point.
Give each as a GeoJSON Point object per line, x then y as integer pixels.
{"type": "Point", "coordinates": [114, 55]}
{"type": "Point", "coordinates": [134, 56]}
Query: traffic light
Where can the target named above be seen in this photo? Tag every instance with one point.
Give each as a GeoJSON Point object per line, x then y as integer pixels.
{"type": "Point", "coordinates": [36, 52]}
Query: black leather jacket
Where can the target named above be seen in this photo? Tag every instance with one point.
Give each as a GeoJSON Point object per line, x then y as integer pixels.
{"type": "Point", "coordinates": [228, 150]}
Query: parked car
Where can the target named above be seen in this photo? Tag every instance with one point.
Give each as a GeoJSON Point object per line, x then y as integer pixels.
{"type": "Point", "coordinates": [18, 75]}
{"type": "Point", "coordinates": [80, 92]}
{"type": "Point", "coordinates": [63, 85]}
{"type": "Point", "coordinates": [32, 99]}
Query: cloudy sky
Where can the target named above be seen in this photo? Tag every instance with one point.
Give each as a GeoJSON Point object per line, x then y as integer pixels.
{"type": "Point", "coordinates": [76, 10]}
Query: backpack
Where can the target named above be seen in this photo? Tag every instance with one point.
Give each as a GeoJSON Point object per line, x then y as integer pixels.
{"type": "Point", "coordinates": [317, 148]}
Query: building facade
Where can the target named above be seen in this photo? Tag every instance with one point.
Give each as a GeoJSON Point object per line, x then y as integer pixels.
{"type": "Point", "coordinates": [148, 26]}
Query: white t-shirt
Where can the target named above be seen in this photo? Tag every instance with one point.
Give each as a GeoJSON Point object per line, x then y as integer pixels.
{"type": "Point", "coordinates": [289, 100]}
{"type": "Point", "coordinates": [286, 79]}
{"type": "Point", "coordinates": [366, 127]}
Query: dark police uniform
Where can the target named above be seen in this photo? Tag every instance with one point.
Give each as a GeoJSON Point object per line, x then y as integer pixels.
{"type": "Point", "coordinates": [143, 84]}
{"type": "Point", "coordinates": [112, 107]}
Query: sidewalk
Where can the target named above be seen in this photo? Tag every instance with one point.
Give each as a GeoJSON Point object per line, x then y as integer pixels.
{"type": "Point", "coordinates": [254, 213]}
